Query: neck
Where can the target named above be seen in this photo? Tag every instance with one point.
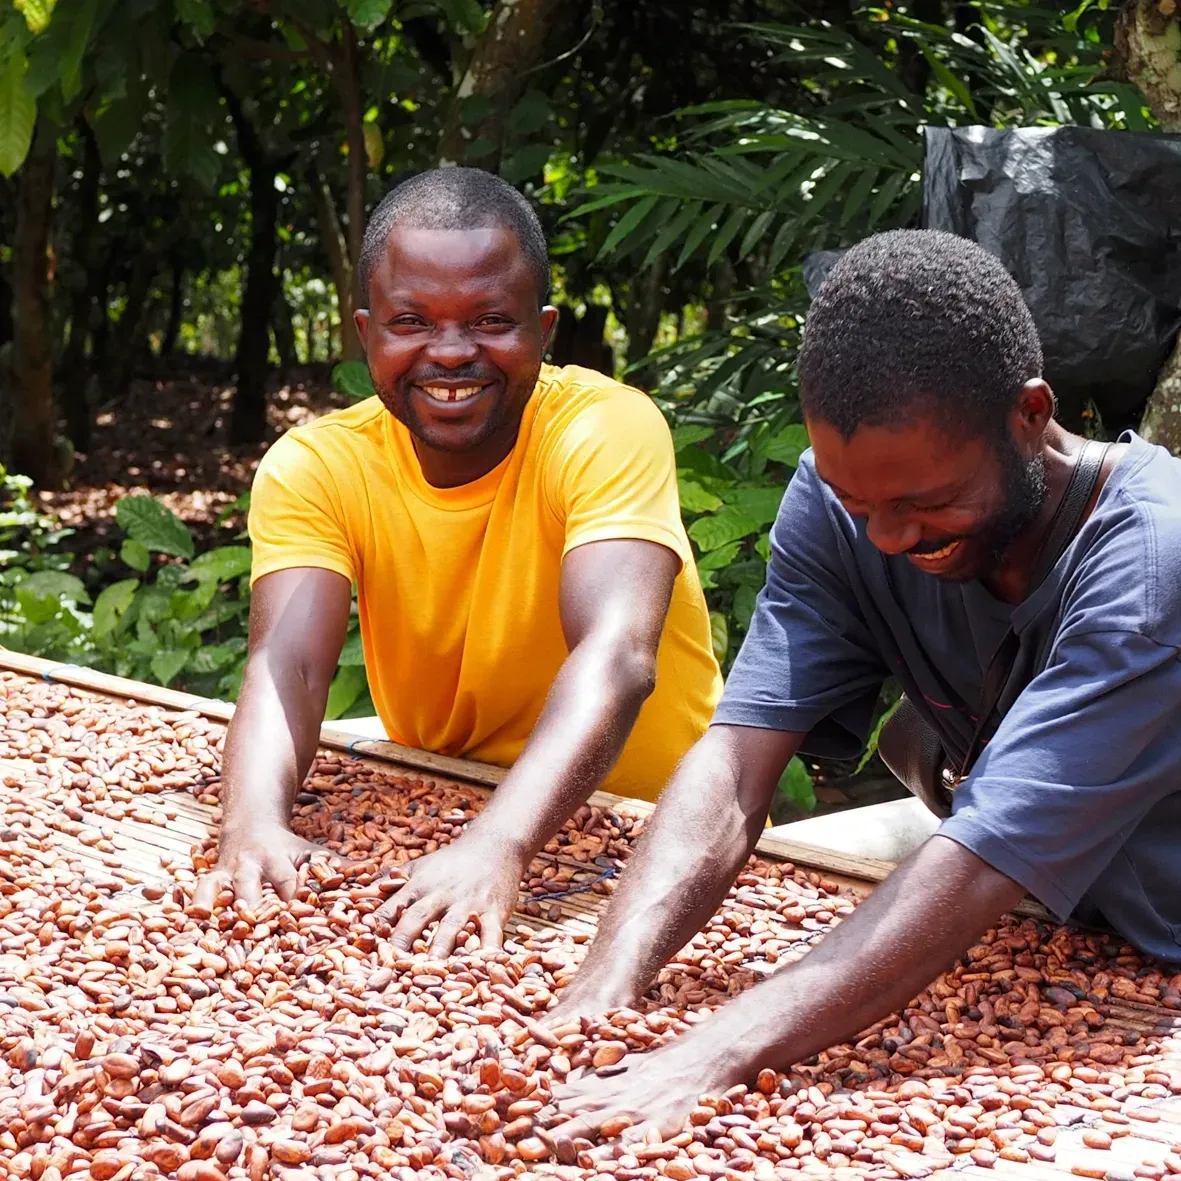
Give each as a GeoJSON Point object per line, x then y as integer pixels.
{"type": "Point", "coordinates": [452, 469]}
{"type": "Point", "coordinates": [1010, 581]}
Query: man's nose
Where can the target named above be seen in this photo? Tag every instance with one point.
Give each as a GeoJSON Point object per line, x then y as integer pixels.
{"type": "Point", "coordinates": [452, 346]}
{"type": "Point", "coordinates": [891, 533]}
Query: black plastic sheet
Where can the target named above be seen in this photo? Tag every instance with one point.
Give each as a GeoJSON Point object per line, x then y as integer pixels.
{"type": "Point", "coordinates": [1089, 224]}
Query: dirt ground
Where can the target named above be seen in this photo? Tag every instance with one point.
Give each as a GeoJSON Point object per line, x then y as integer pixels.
{"type": "Point", "coordinates": [167, 437]}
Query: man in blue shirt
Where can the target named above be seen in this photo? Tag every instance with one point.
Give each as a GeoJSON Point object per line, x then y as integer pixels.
{"type": "Point", "coordinates": [911, 542]}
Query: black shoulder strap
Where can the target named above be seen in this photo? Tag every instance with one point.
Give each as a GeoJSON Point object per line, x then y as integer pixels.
{"type": "Point", "coordinates": [1065, 524]}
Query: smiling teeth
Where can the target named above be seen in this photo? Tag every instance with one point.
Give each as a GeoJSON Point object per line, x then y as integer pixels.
{"type": "Point", "coordinates": [938, 554]}
{"type": "Point", "coordinates": [445, 395]}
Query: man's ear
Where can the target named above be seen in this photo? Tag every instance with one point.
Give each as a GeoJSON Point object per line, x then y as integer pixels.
{"type": "Point", "coordinates": [549, 321]}
{"type": "Point", "coordinates": [361, 320]}
{"type": "Point", "coordinates": [1032, 412]}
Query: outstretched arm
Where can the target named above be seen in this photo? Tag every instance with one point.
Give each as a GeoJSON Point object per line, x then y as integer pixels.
{"type": "Point", "coordinates": [704, 828]}
{"type": "Point", "coordinates": [913, 926]}
{"type": "Point", "coordinates": [298, 621]}
{"type": "Point", "coordinates": [614, 597]}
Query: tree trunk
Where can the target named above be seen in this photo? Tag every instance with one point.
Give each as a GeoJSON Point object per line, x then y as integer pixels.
{"type": "Point", "coordinates": [1148, 44]}
{"type": "Point", "coordinates": [73, 380]}
{"type": "Point", "coordinates": [335, 243]}
{"type": "Point", "coordinates": [176, 308]}
{"type": "Point", "coordinates": [7, 232]}
{"type": "Point", "coordinates": [128, 336]}
{"type": "Point", "coordinates": [513, 42]}
{"type": "Point", "coordinates": [645, 307]}
{"type": "Point", "coordinates": [33, 418]}
{"type": "Point", "coordinates": [284, 330]}
{"type": "Point", "coordinates": [248, 420]}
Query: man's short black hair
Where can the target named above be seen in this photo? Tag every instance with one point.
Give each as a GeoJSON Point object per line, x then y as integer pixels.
{"type": "Point", "coordinates": [917, 319]}
{"type": "Point", "coordinates": [456, 199]}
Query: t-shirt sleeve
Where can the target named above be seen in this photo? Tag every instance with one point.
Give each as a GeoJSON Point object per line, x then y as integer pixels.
{"type": "Point", "coordinates": [612, 475]}
{"type": "Point", "coordinates": [296, 518]}
{"type": "Point", "coordinates": [809, 663]}
{"type": "Point", "coordinates": [1084, 753]}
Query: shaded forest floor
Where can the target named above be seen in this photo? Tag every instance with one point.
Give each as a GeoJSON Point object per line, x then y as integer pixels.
{"type": "Point", "coordinates": [167, 437]}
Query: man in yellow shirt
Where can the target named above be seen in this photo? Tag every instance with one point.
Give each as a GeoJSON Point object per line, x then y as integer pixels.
{"type": "Point", "coordinates": [527, 593]}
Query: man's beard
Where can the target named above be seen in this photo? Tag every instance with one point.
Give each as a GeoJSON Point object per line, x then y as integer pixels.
{"type": "Point", "coordinates": [1025, 493]}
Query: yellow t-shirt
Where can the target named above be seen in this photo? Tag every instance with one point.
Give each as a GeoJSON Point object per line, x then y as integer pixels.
{"type": "Point", "coordinates": [458, 587]}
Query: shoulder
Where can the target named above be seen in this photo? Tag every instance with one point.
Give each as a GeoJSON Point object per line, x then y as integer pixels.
{"type": "Point", "coordinates": [577, 405]}
{"type": "Point", "coordinates": [354, 428]}
{"type": "Point", "coordinates": [1131, 564]}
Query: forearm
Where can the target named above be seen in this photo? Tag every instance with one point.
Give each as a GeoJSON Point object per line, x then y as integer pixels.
{"type": "Point", "coordinates": [588, 715]}
{"type": "Point", "coordinates": [911, 928]}
{"type": "Point", "coordinates": [270, 743]}
{"type": "Point", "coordinates": [698, 839]}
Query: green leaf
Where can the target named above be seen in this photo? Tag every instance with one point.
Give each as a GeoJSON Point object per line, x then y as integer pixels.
{"type": "Point", "coordinates": [18, 115]}
{"type": "Point", "coordinates": [530, 114]}
{"type": "Point", "coordinates": [464, 16]}
{"type": "Point", "coordinates": [213, 658]}
{"type": "Point", "coordinates": [352, 653]}
{"type": "Point", "coordinates": [685, 436]}
{"type": "Point", "coordinates": [352, 379]}
{"type": "Point", "coordinates": [786, 446]}
{"type": "Point", "coordinates": [198, 15]}
{"type": "Point", "coordinates": [37, 13]}
{"type": "Point", "coordinates": [112, 604]}
{"type": "Point", "coordinates": [146, 520]}
{"type": "Point", "coordinates": [720, 558]}
{"type": "Point", "coordinates": [37, 609]}
{"type": "Point", "coordinates": [116, 125]}
{"type": "Point", "coordinates": [189, 605]}
{"type": "Point", "coordinates": [796, 784]}
{"type": "Point", "coordinates": [223, 564]}
{"type": "Point", "coordinates": [525, 162]}
{"type": "Point", "coordinates": [167, 664]}
{"type": "Point", "coordinates": [193, 112]}
{"type": "Point", "coordinates": [627, 224]}
{"type": "Point", "coordinates": [761, 504]}
{"type": "Point", "coordinates": [348, 684]}
{"type": "Point", "coordinates": [730, 524]}
{"type": "Point", "coordinates": [744, 604]}
{"type": "Point", "coordinates": [695, 499]}
{"type": "Point", "coordinates": [368, 14]}
{"type": "Point", "coordinates": [57, 583]}
{"type": "Point", "coordinates": [71, 64]}
{"type": "Point", "coordinates": [136, 555]}
{"type": "Point", "coordinates": [719, 634]}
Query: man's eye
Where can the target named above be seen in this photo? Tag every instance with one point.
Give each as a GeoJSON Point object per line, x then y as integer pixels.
{"type": "Point", "coordinates": [493, 322]}
{"type": "Point", "coordinates": [930, 508]}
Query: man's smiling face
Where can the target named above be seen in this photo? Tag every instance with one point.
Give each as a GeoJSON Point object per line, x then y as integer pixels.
{"type": "Point", "coordinates": [952, 506]}
{"type": "Point", "coordinates": [454, 336]}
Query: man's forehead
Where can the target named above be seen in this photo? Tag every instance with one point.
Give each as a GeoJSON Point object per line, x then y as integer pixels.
{"type": "Point", "coordinates": [916, 461]}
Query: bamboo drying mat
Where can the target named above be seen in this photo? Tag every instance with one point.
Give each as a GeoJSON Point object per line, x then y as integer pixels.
{"type": "Point", "coordinates": [180, 822]}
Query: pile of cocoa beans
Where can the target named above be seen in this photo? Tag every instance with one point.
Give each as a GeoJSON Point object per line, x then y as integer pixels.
{"type": "Point", "coordinates": [141, 1037]}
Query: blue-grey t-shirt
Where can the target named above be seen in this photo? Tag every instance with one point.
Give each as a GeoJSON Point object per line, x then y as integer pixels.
{"type": "Point", "coordinates": [1077, 796]}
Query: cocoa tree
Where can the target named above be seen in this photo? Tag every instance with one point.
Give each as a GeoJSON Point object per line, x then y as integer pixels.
{"type": "Point", "coordinates": [1148, 43]}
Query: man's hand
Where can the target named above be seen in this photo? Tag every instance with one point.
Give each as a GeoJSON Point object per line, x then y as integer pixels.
{"type": "Point", "coordinates": [913, 926]}
{"type": "Point", "coordinates": [462, 881]}
{"type": "Point", "coordinates": [614, 596]}
{"type": "Point", "coordinates": [248, 859]}
{"type": "Point", "coordinates": [658, 1089]}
